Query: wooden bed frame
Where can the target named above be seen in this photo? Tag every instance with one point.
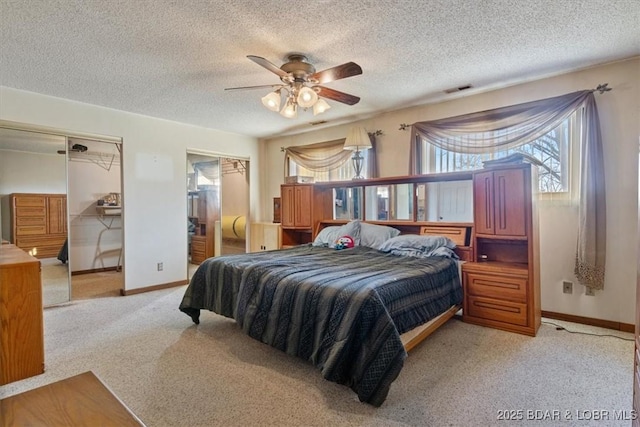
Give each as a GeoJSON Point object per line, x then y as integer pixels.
{"type": "Point", "coordinates": [460, 233]}
{"type": "Point", "coordinates": [417, 335]}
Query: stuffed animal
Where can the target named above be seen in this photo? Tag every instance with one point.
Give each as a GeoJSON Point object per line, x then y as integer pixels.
{"type": "Point", "coordinates": [344, 242]}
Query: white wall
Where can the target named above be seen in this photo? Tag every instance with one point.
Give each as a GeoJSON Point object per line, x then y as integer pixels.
{"type": "Point", "coordinates": [154, 174]}
{"type": "Point", "coordinates": [619, 118]}
{"type": "Point", "coordinates": [24, 172]}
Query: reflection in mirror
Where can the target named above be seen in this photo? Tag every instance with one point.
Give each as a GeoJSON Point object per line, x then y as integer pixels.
{"type": "Point", "coordinates": [389, 202]}
{"type": "Point", "coordinates": [377, 198]}
{"type": "Point", "coordinates": [30, 164]}
{"type": "Point", "coordinates": [447, 201]}
{"type": "Point", "coordinates": [347, 203]}
{"type": "Point", "coordinates": [402, 202]}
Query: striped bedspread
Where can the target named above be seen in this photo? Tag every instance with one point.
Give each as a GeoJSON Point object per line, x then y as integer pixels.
{"type": "Point", "coordinates": [342, 310]}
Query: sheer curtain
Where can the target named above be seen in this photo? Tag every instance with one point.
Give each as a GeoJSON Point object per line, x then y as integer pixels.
{"type": "Point", "coordinates": [515, 125]}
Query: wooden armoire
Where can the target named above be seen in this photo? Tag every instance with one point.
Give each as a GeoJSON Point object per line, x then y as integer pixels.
{"type": "Point", "coordinates": [39, 223]}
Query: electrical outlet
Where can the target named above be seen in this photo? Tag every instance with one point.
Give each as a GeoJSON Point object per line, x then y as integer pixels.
{"type": "Point", "coordinates": [160, 266]}
{"type": "Point", "coordinates": [567, 287]}
{"type": "Point", "coordinates": [589, 291]}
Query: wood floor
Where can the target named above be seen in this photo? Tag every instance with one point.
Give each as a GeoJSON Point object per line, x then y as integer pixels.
{"type": "Point", "coordinates": [96, 285]}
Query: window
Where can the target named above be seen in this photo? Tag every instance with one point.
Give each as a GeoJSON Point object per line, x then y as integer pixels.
{"type": "Point", "coordinates": [553, 150]}
{"type": "Point", "coordinates": [344, 172]}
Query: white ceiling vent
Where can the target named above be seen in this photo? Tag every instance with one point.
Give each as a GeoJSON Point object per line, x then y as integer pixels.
{"type": "Point", "coordinates": [458, 89]}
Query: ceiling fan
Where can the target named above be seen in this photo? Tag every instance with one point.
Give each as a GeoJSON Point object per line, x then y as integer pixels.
{"type": "Point", "coordinates": [301, 85]}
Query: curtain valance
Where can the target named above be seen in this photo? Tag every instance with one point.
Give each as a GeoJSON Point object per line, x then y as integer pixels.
{"type": "Point", "coordinates": [320, 157]}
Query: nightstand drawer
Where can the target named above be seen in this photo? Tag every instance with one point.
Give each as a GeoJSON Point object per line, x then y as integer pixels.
{"type": "Point", "coordinates": [497, 286]}
{"type": "Point", "coordinates": [497, 310]}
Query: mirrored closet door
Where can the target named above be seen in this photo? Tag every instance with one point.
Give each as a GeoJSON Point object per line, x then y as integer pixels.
{"type": "Point", "coordinates": [33, 201]}
{"type": "Point", "coordinates": [217, 206]}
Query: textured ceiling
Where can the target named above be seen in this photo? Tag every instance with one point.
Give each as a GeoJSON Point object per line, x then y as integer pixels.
{"type": "Point", "coordinates": [173, 59]}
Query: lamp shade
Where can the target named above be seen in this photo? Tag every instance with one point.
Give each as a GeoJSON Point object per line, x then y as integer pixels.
{"type": "Point", "coordinates": [307, 97]}
{"type": "Point", "coordinates": [290, 109]}
{"type": "Point", "coordinates": [272, 101]}
{"type": "Point", "coordinates": [320, 107]}
{"type": "Point", "coordinates": [357, 139]}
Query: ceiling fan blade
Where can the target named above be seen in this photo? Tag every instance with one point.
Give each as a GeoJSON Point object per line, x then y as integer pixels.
{"type": "Point", "coordinates": [253, 87]}
{"type": "Point", "coordinates": [268, 65]}
{"type": "Point", "coordinates": [336, 73]}
{"type": "Point", "coordinates": [335, 95]}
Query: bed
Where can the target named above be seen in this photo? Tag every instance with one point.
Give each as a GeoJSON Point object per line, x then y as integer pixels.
{"type": "Point", "coordinates": [342, 310]}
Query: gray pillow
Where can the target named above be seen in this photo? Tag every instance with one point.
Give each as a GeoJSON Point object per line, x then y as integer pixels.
{"type": "Point", "coordinates": [441, 251]}
{"type": "Point", "coordinates": [374, 236]}
{"type": "Point", "coordinates": [328, 235]}
{"type": "Point", "coordinates": [415, 242]}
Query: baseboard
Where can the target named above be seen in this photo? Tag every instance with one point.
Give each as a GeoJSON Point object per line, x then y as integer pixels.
{"type": "Point", "coordinates": [618, 326]}
{"type": "Point", "coordinates": [125, 292]}
{"type": "Point", "coordinates": [94, 270]}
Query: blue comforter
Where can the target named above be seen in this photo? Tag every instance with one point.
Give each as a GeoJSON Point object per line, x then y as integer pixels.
{"type": "Point", "coordinates": [342, 310]}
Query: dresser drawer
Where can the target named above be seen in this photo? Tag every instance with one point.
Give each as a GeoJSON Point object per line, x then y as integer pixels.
{"type": "Point", "coordinates": [32, 200]}
{"type": "Point", "coordinates": [31, 220]}
{"type": "Point", "coordinates": [30, 230]}
{"type": "Point", "coordinates": [497, 286]}
{"type": "Point", "coordinates": [31, 211]}
{"type": "Point", "coordinates": [197, 245]}
{"type": "Point", "coordinates": [497, 310]}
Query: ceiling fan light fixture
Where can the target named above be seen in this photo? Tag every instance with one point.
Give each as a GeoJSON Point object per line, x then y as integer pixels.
{"type": "Point", "coordinates": [307, 97]}
{"type": "Point", "coordinates": [290, 109]}
{"type": "Point", "coordinates": [320, 107]}
{"type": "Point", "coordinates": [272, 100]}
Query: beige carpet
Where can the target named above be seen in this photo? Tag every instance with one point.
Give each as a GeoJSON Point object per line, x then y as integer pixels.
{"type": "Point", "coordinates": [173, 373]}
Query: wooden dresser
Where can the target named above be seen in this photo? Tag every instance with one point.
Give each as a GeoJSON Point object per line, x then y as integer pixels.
{"type": "Point", "coordinates": [39, 223]}
{"type": "Point", "coordinates": [21, 324]}
{"type": "Point", "coordinates": [502, 288]}
{"type": "Point", "coordinates": [205, 211]}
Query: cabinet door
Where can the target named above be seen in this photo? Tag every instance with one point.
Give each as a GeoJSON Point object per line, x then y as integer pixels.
{"type": "Point", "coordinates": [264, 237]}
{"type": "Point", "coordinates": [271, 237]}
{"type": "Point", "coordinates": [288, 206]}
{"type": "Point", "coordinates": [483, 202]}
{"type": "Point", "coordinates": [57, 214]}
{"type": "Point", "coordinates": [257, 231]}
{"type": "Point", "coordinates": [509, 202]}
{"type": "Point", "coordinates": [303, 206]}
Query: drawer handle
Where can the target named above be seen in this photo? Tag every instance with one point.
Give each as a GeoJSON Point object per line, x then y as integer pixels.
{"type": "Point", "coordinates": [510, 309]}
{"type": "Point", "coordinates": [514, 286]}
